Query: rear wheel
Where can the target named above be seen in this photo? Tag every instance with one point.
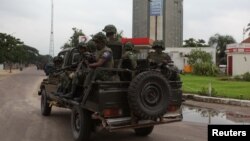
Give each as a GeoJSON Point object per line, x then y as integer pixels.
{"type": "Point", "coordinates": [144, 131]}
{"type": "Point", "coordinates": [45, 108]}
{"type": "Point", "coordinates": [81, 124]}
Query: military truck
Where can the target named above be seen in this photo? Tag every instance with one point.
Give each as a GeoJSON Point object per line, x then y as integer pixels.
{"type": "Point", "coordinates": [140, 99]}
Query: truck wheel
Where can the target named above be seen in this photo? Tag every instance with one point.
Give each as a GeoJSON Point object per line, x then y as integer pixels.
{"type": "Point", "coordinates": [45, 108]}
{"type": "Point", "coordinates": [149, 95]}
{"type": "Point", "coordinates": [144, 131]}
{"type": "Point", "coordinates": [81, 124]}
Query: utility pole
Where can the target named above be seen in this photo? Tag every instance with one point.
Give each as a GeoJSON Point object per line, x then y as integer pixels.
{"type": "Point", "coordinates": [51, 44]}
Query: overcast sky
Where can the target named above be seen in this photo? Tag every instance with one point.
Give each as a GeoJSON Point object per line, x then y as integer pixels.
{"type": "Point", "coordinates": [29, 20]}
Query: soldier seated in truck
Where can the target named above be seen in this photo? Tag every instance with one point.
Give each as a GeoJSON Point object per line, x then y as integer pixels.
{"type": "Point", "coordinates": [104, 57]}
{"type": "Point", "coordinates": [160, 59]}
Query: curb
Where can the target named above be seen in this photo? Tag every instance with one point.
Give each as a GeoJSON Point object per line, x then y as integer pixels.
{"type": "Point", "coordinates": [227, 101]}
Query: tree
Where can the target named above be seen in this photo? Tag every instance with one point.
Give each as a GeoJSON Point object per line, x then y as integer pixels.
{"type": "Point", "coordinates": [13, 50]}
{"type": "Point", "coordinates": [74, 39]}
{"type": "Point", "coordinates": [221, 42]}
{"type": "Point", "coordinates": [191, 42]}
{"type": "Point", "coordinates": [120, 35]}
{"type": "Point", "coordinates": [247, 29]}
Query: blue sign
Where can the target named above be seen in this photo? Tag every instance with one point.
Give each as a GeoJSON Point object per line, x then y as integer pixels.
{"type": "Point", "coordinates": [156, 7]}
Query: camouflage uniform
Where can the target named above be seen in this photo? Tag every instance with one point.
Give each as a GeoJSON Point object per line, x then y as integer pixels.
{"type": "Point", "coordinates": [130, 55]}
{"type": "Point", "coordinates": [158, 56]}
{"type": "Point", "coordinates": [57, 64]}
{"type": "Point", "coordinates": [106, 54]}
{"type": "Point", "coordinates": [76, 78]}
{"type": "Point", "coordinates": [114, 43]}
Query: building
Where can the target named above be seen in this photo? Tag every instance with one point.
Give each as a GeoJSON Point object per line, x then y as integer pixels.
{"type": "Point", "coordinates": [169, 20]}
{"type": "Point", "coordinates": [238, 58]}
{"type": "Point", "coordinates": [179, 55]}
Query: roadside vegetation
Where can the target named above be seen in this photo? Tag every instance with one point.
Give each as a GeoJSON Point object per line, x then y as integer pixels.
{"type": "Point", "coordinates": [220, 87]}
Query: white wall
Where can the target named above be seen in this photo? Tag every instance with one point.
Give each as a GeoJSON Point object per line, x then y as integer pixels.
{"type": "Point", "coordinates": [1, 66]}
{"type": "Point", "coordinates": [178, 54]}
{"type": "Point", "coordinates": [241, 63]}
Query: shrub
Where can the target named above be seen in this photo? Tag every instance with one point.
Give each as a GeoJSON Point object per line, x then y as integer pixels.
{"type": "Point", "coordinates": [205, 68]}
{"type": "Point", "coordinates": [238, 78]}
{"type": "Point", "coordinates": [202, 64]}
{"type": "Point", "coordinates": [246, 76]}
{"type": "Point", "coordinates": [205, 92]}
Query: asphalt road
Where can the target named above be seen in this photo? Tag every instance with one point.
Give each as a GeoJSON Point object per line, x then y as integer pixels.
{"type": "Point", "coordinates": [20, 117]}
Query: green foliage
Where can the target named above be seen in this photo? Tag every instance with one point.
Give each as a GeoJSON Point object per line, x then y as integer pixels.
{"type": "Point", "coordinates": [74, 39]}
{"type": "Point", "coordinates": [191, 42]}
{"type": "Point", "coordinates": [119, 35]}
{"type": "Point", "coordinates": [202, 64]}
{"type": "Point", "coordinates": [221, 42]}
{"type": "Point", "coordinates": [205, 92]}
{"type": "Point", "coordinates": [237, 78]}
{"type": "Point", "coordinates": [13, 50]}
{"type": "Point", "coordinates": [246, 76]}
{"type": "Point", "coordinates": [205, 68]}
{"type": "Point", "coordinates": [197, 55]}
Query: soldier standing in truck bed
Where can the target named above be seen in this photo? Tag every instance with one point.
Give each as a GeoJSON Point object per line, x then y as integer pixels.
{"type": "Point", "coordinates": [114, 43]}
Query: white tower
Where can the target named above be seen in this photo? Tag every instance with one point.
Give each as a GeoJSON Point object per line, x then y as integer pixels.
{"type": "Point", "coordinates": [51, 44]}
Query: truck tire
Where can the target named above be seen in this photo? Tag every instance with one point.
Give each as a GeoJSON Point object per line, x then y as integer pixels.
{"type": "Point", "coordinates": [45, 108]}
{"type": "Point", "coordinates": [149, 95]}
{"type": "Point", "coordinates": [81, 124]}
{"type": "Point", "coordinates": [144, 131]}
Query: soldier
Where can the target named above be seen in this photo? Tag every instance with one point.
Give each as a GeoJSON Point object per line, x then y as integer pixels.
{"type": "Point", "coordinates": [129, 54]}
{"type": "Point", "coordinates": [91, 47]}
{"type": "Point", "coordinates": [77, 77]}
{"type": "Point", "coordinates": [159, 57]}
{"type": "Point", "coordinates": [104, 56]}
{"type": "Point", "coordinates": [53, 76]}
{"type": "Point", "coordinates": [57, 62]}
{"type": "Point", "coordinates": [110, 31]}
{"type": "Point", "coordinates": [113, 43]}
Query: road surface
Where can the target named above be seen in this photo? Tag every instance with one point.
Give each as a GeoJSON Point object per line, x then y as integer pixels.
{"type": "Point", "coordinates": [20, 117]}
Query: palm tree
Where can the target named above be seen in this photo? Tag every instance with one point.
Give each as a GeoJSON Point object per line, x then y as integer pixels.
{"type": "Point", "coordinates": [248, 29]}
{"type": "Point", "coordinates": [221, 42]}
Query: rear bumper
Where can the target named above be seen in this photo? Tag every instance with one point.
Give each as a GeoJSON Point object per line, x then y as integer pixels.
{"type": "Point", "coordinates": [127, 122]}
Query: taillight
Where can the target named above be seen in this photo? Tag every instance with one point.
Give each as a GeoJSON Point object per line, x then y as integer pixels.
{"type": "Point", "coordinates": [172, 108]}
{"type": "Point", "coordinates": [112, 112]}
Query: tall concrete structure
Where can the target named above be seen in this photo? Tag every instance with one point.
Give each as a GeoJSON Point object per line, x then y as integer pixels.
{"type": "Point", "coordinates": [169, 23]}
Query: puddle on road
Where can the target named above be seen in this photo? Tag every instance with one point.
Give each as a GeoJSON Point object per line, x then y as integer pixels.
{"type": "Point", "coordinates": [210, 116]}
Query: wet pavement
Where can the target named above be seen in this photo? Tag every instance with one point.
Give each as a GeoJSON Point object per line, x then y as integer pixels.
{"type": "Point", "coordinates": [214, 116]}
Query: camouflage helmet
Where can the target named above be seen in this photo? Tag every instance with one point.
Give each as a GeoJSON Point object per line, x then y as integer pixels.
{"type": "Point", "coordinates": [99, 37]}
{"type": "Point", "coordinates": [158, 44]}
{"type": "Point", "coordinates": [91, 46]}
{"type": "Point", "coordinates": [82, 45]}
{"type": "Point", "coordinates": [129, 46]}
{"type": "Point", "coordinates": [110, 29]}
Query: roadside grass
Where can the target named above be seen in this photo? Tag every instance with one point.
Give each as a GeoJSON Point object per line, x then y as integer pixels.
{"type": "Point", "coordinates": [228, 89]}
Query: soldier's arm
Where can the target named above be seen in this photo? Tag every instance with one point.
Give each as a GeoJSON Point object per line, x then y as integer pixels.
{"type": "Point", "coordinates": [105, 57]}
{"type": "Point", "coordinates": [125, 55]}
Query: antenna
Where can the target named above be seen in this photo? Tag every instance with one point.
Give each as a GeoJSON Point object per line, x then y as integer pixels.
{"type": "Point", "coordinates": [51, 44]}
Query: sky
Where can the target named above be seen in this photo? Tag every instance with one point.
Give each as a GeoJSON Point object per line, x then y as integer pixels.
{"type": "Point", "coordinates": [29, 20]}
